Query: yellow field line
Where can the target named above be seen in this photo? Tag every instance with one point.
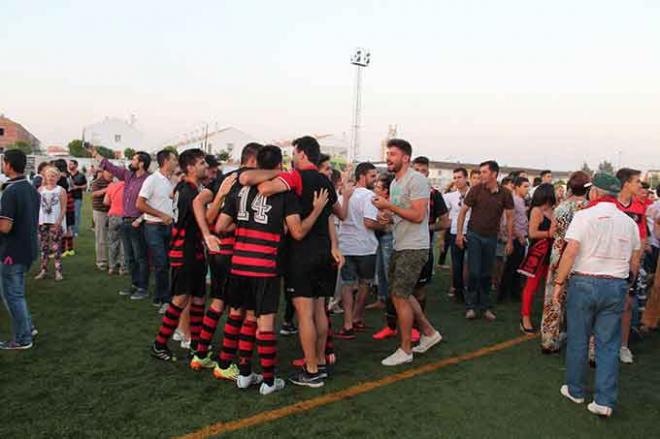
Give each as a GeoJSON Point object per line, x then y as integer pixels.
{"type": "Point", "coordinates": [358, 389]}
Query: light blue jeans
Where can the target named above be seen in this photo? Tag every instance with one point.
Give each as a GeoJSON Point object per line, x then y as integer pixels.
{"type": "Point", "coordinates": [594, 306]}
{"type": "Point", "coordinates": [13, 295]}
{"type": "Point", "coordinates": [78, 204]}
{"type": "Point", "coordinates": [383, 255]}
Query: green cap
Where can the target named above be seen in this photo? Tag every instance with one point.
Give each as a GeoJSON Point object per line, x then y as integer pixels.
{"type": "Point", "coordinates": [607, 182]}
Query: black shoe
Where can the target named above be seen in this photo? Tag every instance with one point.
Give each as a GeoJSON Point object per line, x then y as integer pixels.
{"type": "Point", "coordinates": [162, 353]}
{"type": "Point", "coordinates": [157, 303]}
{"type": "Point", "coordinates": [324, 371]}
{"type": "Point", "coordinates": [526, 330]}
{"type": "Point", "coordinates": [304, 378]}
{"type": "Point", "coordinates": [288, 329]}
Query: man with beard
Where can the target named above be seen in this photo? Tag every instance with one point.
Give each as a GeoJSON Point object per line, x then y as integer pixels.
{"type": "Point", "coordinates": [408, 209]}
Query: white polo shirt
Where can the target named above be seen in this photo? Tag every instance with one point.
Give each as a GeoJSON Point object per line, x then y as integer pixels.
{"type": "Point", "coordinates": [157, 191]}
{"type": "Point", "coordinates": [355, 239]}
{"type": "Point", "coordinates": [607, 240]}
{"type": "Point", "coordinates": [454, 201]}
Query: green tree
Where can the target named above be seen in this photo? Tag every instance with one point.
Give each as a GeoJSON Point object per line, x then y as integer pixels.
{"type": "Point", "coordinates": [223, 156]}
{"type": "Point", "coordinates": [586, 168]}
{"type": "Point", "coordinates": [23, 146]}
{"type": "Point", "coordinates": [129, 153]}
{"type": "Point", "coordinates": [171, 148]}
{"type": "Point", "coordinates": [606, 166]}
{"type": "Point", "coordinates": [76, 149]}
{"type": "Point", "coordinates": [105, 152]}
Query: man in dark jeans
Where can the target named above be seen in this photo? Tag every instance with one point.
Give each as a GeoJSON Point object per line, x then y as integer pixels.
{"type": "Point", "coordinates": [454, 202]}
{"type": "Point", "coordinates": [132, 230]}
{"type": "Point", "coordinates": [19, 217]}
{"type": "Point", "coordinates": [79, 185]}
{"type": "Point", "coordinates": [155, 201]}
{"type": "Point", "coordinates": [511, 281]}
{"type": "Point", "coordinates": [487, 201]}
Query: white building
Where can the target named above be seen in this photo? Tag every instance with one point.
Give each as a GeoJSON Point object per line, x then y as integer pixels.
{"type": "Point", "coordinates": [229, 139]}
{"type": "Point", "coordinates": [114, 133]}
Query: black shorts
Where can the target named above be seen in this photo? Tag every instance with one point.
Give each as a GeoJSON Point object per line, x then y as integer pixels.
{"type": "Point", "coordinates": [70, 219]}
{"type": "Point", "coordinates": [189, 279]}
{"type": "Point", "coordinates": [358, 269]}
{"type": "Point", "coordinates": [219, 266]}
{"type": "Point", "coordinates": [427, 272]}
{"type": "Point", "coordinates": [258, 294]}
{"type": "Point", "coordinates": [311, 273]}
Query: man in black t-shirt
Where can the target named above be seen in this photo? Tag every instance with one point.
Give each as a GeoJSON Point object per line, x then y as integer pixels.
{"type": "Point", "coordinates": [19, 217]}
{"type": "Point", "coordinates": [79, 184]}
{"type": "Point", "coordinates": [254, 282]}
{"type": "Point", "coordinates": [312, 263]}
{"type": "Point", "coordinates": [187, 267]}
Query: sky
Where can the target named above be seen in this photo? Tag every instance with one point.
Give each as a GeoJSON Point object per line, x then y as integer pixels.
{"type": "Point", "coordinates": [529, 83]}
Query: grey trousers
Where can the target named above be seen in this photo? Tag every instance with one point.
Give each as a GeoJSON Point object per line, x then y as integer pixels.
{"type": "Point", "coordinates": [115, 247]}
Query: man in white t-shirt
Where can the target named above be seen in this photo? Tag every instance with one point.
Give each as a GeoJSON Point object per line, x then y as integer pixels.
{"type": "Point", "coordinates": [358, 244]}
{"type": "Point", "coordinates": [602, 253]}
{"type": "Point", "coordinates": [155, 201]}
{"type": "Point", "coordinates": [454, 202]}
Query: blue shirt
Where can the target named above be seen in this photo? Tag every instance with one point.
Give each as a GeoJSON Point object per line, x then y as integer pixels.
{"type": "Point", "coordinates": [20, 205]}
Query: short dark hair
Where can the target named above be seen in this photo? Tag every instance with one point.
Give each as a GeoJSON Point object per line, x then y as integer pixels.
{"type": "Point", "coordinates": [400, 144]}
{"type": "Point", "coordinates": [269, 157]}
{"type": "Point", "coordinates": [545, 172]}
{"type": "Point", "coordinates": [537, 181]}
{"type": "Point", "coordinates": [324, 158]}
{"type": "Point", "coordinates": [544, 194]}
{"type": "Point", "coordinates": [577, 181]}
{"type": "Point", "coordinates": [250, 151]}
{"type": "Point", "coordinates": [163, 155]}
{"type": "Point", "coordinates": [506, 180]}
{"type": "Point", "coordinates": [60, 164]}
{"type": "Point", "coordinates": [211, 160]}
{"type": "Point", "coordinates": [519, 181]}
{"type": "Point", "coordinates": [189, 157]}
{"type": "Point", "coordinates": [646, 185]}
{"type": "Point", "coordinates": [473, 172]}
{"type": "Point", "coordinates": [74, 161]}
{"type": "Point", "coordinates": [145, 158]}
{"type": "Point", "coordinates": [41, 166]}
{"type": "Point", "coordinates": [462, 171]}
{"type": "Point", "coordinates": [363, 169]}
{"type": "Point", "coordinates": [422, 160]}
{"type": "Point", "coordinates": [625, 174]}
{"type": "Point", "coordinates": [310, 146]}
{"type": "Point", "coordinates": [386, 179]}
{"type": "Point", "coordinates": [492, 165]}
{"type": "Point", "coordinates": [16, 159]}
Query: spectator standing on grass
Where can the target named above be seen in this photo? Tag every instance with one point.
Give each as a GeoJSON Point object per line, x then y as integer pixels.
{"type": "Point", "coordinates": [383, 256]}
{"type": "Point", "coordinates": [78, 186]}
{"type": "Point", "coordinates": [552, 322]}
{"type": "Point", "coordinates": [100, 216]}
{"type": "Point", "coordinates": [132, 229]}
{"type": "Point", "coordinates": [487, 201]}
{"type": "Point", "coordinates": [19, 219]}
{"type": "Point", "coordinates": [52, 222]}
{"type": "Point", "coordinates": [155, 201]}
{"type": "Point", "coordinates": [454, 201]}
{"type": "Point", "coordinates": [114, 199]}
{"type": "Point", "coordinates": [602, 253]}
{"type": "Point", "coordinates": [39, 178]}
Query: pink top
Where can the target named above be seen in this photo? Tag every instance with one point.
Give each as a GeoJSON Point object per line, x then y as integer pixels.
{"type": "Point", "coordinates": [116, 194]}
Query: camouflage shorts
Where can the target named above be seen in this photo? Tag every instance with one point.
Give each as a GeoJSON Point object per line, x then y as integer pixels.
{"type": "Point", "coordinates": [404, 271]}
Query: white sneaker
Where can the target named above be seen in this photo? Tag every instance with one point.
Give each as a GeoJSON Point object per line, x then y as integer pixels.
{"type": "Point", "coordinates": [625, 355]}
{"type": "Point", "coordinates": [177, 336]}
{"type": "Point", "coordinates": [185, 344]}
{"type": "Point", "coordinates": [566, 394]}
{"type": "Point", "coordinates": [278, 385]}
{"type": "Point", "coordinates": [243, 382]}
{"type": "Point", "coordinates": [599, 410]}
{"type": "Point", "coordinates": [426, 343]}
{"type": "Point", "coordinates": [397, 358]}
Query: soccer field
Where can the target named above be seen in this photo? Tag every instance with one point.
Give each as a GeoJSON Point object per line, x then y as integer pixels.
{"type": "Point", "coordinates": [90, 375]}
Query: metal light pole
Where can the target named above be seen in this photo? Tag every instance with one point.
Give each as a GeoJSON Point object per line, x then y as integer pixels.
{"type": "Point", "coordinates": [360, 59]}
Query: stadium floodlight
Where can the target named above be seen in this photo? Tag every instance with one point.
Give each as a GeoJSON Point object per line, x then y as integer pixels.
{"type": "Point", "coordinates": [360, 59]}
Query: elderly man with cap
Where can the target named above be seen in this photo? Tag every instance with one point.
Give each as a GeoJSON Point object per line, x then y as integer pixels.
{"type": "Point", "coordinates": [602, 253]}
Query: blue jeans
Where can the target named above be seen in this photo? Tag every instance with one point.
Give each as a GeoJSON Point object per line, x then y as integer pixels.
{"type": "Point", "coordinates": [135, 248]}
{"type": "Point", "coordinates": [481, 257]}
{"type": "Point", "coordinates": [383, 255]}
{"type": "Point", "coordinates": [594, 306]}
{"type": "Point", "coordinates": [13, 294]}
{"type": "Point", "coordinates": [157, 237]}
{"type": "Point", "coordinates": [457, 260]}
{"type": "Point", "coordinates": [78, 204]}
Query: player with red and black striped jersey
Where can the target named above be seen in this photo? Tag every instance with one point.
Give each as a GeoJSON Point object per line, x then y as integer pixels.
{"type": "Point", "coordinates": [311, 267]}
{"type": "Point", "coordinates": [187, 265]}
{"type": "Point", "coordinates": [219, 248]}
{"type": "Point", "coordinates": [254, 281]}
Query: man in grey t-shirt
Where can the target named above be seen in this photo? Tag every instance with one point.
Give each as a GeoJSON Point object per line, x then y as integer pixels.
{"type": "Point", "coordinates": [408, 209]}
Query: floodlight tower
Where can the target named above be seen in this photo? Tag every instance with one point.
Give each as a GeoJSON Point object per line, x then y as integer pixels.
{"type": "Point", "coordinates": [360, 59]}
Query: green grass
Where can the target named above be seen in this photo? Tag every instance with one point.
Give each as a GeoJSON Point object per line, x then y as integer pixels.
{"type": "Point", "coordinates": [90, 375]}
